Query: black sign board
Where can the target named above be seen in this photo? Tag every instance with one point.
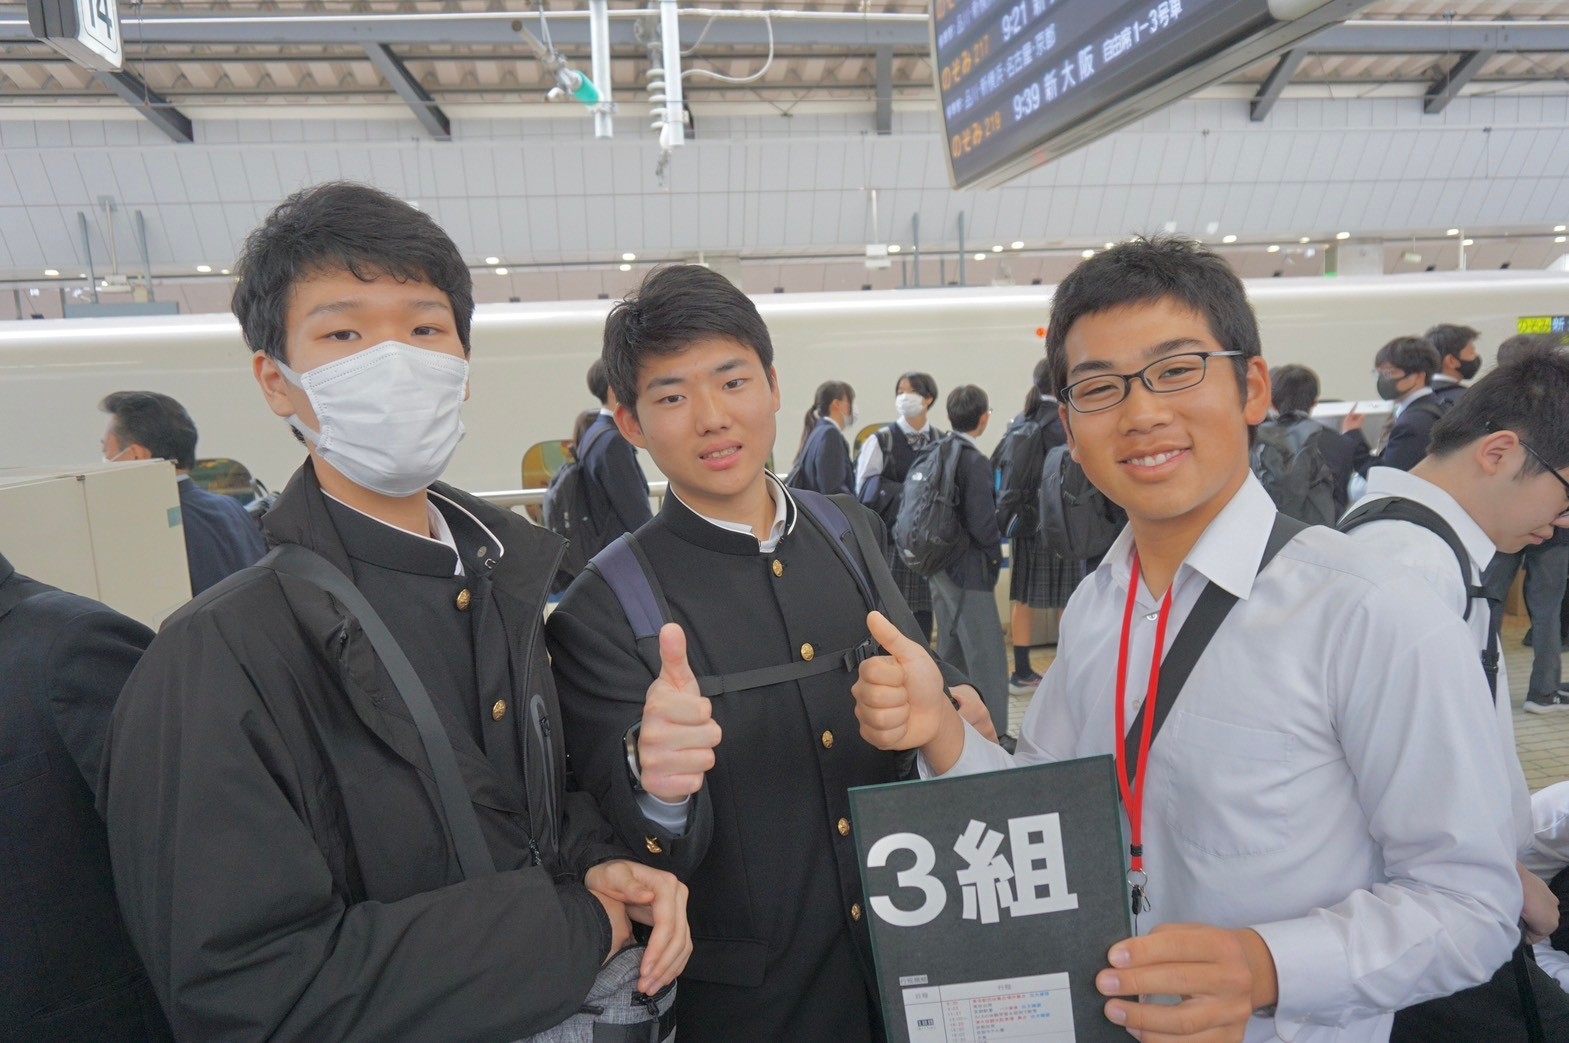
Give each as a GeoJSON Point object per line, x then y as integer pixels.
{"type": "Point", "coordinates": [992, 901]}
{"type": "Point", "coordinates": [1023, 81]}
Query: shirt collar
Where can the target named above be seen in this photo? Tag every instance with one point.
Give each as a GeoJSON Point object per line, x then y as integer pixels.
{"type": "Point", "coordinates": [1424, 390]}
{"type": "Point", "coordinates": [1226, 554]}
{"type": "Point", "coordinates": [606, 411]}
{"type": "Point", "coordinates": [784, 516]}
{"type": "Point", "coordinates": [1383, 482]}
{"type": "Point", "coordinates": [966, 438]}
{"type": "Point", "coordinates": [904, 425]}
{"type": "Point", "coordinates": [441, 531]}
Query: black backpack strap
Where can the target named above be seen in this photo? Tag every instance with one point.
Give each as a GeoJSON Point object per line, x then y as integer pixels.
{"type": "Point", "coordinates": [626, 570]}
{"type": "Point", "coordinates": [467, 841]}
{"type": "Point", "coordinates": [1398, 508]}
{"type": "Point", "coordinates": [888, 598]}
{"type": "Point", "coordinates": [1213, 606]}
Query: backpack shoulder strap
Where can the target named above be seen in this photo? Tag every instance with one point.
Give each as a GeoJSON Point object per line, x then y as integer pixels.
{"type": "Point", "coordinates": [835, 520]}
{"type": "Point", "coordinates": [1209, 612]}
{"type": "Point", "coordinates": [468, 842]}
{"type": "Point", "coordinates": [1399, 508]}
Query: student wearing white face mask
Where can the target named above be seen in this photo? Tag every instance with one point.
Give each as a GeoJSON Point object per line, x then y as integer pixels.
{"type": "Point", "coordinates": [880, 471]}
{"type": "Point", "coordinates": [822, 463]}
{"type": "Point", "coordinates": [302, 848]}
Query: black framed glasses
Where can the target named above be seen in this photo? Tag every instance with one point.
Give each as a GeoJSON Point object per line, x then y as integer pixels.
{"type": "Point", "coordinates": [1162, 377]}
{"type": "Point", "coordinates": [1548, 468]}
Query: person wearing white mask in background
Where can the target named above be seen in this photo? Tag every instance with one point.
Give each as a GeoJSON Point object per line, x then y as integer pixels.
{"type": "Point", "coordinates": [286, 866]}
{"type": "Point", "coordinates": [880, 471]}
{"type": "Point", "coordinates": [822, 462]}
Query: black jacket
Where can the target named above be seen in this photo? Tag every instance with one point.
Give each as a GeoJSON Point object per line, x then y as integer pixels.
{"type": "Point", "coordinates": [824, 463]}
{"type": "Point", "coordinates": [220, 538]}
{"type": "Point", "coordinates": [1408, 437]}
{"type": "Point", "coordinates": [780, 945]}
{"type": "Point", "coordinates": [278, 843]}
{"type": "Point", "coordinates": [1447, 392]}
{"type": "Point", "coordinates": [617, 489]}
{"type": "Point", "coordinates": [977, 567]}
{"type": "Point", "coordinates": [68, 971]}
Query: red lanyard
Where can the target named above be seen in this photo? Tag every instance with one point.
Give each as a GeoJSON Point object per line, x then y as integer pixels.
{"type": "Point", "coordinates": [1133, 794]}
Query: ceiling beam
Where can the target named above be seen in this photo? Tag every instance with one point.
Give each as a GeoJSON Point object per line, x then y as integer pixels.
{"type": "Point", "coordinates": [885, 90]}
{"type": "Point", "coordinates": [416, 97]}
{"type": "Point", "coordinates": [143, 99]}
{"type": "Point", "coordinates": [1275, 84]}
{"type": "Point", "coordinates": [1440, 37]}
{"type": "Point", "coordinates": [1447, 87]}
{"type": "Point", "coordinates": [568, 29]}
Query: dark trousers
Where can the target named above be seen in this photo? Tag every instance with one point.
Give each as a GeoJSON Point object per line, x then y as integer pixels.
{"type": "Point", "coordinates": [1488, 1013]}
{"type": "Point", "coordinates": [1546, 576]}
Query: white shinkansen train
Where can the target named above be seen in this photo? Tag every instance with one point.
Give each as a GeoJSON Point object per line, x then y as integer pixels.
{"type": "Point", "coordinates": [529, 360]}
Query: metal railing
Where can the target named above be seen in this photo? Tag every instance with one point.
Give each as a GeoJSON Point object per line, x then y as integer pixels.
{"type": "Point", "coordinates": [514, 498]}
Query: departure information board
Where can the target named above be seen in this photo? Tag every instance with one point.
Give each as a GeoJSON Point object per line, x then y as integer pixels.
{"type": "Point", "coordinates": [1552, 325]}
{"type": "Point", "coordinates": [1016, 77]}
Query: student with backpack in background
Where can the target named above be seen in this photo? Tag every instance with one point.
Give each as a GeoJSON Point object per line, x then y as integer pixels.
{"type": "Point", "coordinates": [617, 489]}
{"type": "Point", "coordinates": [880, 472]}
{"type": "Point", "coordinates": [564, 509]}
{"type": "Point", "coordinates": [969, 634]}
{"type": "Point", "coordinates": [1038, 578]}
{"type": "Point", "coordinates": [822, 463]}
{"type": "Point", "coordinates": [1302, 465]}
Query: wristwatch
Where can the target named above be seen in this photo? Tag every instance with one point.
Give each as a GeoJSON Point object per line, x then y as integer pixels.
{"type": "Point", "coordinates": [634, 762]}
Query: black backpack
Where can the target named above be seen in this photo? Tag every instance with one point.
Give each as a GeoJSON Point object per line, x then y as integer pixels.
{"type": "Point", "coordinates": [1077, 521]}
{"type": "Point", "coordinates": [929, 533]}
{"type": "Point", "coordinates": [1291, 466]}
{"type": "Point", "coordinates": [1017, 462]}
{"type": "Point", "coordinates": [568, 512]}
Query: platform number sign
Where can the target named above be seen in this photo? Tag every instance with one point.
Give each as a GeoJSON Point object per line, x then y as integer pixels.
{"type": "Point", "coordinates": [85, 31]}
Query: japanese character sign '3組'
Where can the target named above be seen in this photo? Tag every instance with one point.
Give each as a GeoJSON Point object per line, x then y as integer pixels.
{"type": "Point", "coordinates": [993, 901]}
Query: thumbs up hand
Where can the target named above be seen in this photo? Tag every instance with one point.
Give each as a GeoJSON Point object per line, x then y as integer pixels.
{"type": "Point", "coordinates": [675, 747]}
{"type": "Point", "coordinates": [899, 696]}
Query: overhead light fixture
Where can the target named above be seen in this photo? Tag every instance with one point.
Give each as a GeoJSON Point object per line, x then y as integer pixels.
{"type": "Point", "coordinates": [1411, 256]}
{"type": "Point", "coordinates": [501, 271]}
{"type": "Point", "coordinates": [51, 272]}
{"type": "Point", "coordinates": [1110, 245]}
{"type": "Point", "coordinates": [1272, 248]}
{"type": "Point", "coordinates": [1342, 235]}
{"type": "Point", "coordinates": [997, 248]}
{"type": "Point", "coordinates": [980, 257]}
{"type": "Point", "coordinates": [1561, 228]}
{"type": "Point", "coordinates": [893, 248]}
{"type": "Point", "coordinates": [223, 271]}
{"type": "Point", "coordinates": [1304, 240]}
{"type": "Point", "coordinates": [1560, 238]}
{"type": "Point", "coordinates": [492, 260]}
{"type": "Point", "coordinates": [1452, 231]}
{"type": "Point", "coordinates": [1087, 254]}
{"type": "Point", "coordinates": [1017, 244]}
{"type": "Point", "coordinates": [626, 267]}
{"type": "Point", "coordinates": [1228, 238]}
{"type": "Point", "coordinates": [629, 257]}
{"type": "Point", "coordinates": [204, 268]}
{"type": "Point", "coordinates": [1467, 242]}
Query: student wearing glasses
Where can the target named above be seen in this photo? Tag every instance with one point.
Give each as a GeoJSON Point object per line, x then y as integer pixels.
{"type": "Point", "coordinates": [1490, 485]}
{"type": "Point", "coordinates": [1314, 829]}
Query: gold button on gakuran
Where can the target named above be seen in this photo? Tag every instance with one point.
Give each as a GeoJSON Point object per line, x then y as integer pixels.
{"type": "Point", "coordinates": [844, 827]}
{"type": "Point", "coordinates": [498, 711]}
{"type": "Point", "coordinates": [855, 912]}
{"type": "Point", "coordinates": [464, 600]}
{"type": "Point", "coordinates": [652, 843]}
{"type": "Point", "coordinates": [778, 567]}
{"type": "Point", "coordinates": [807, 652]}
{"type": "Point", "coordinates": [828, 740]}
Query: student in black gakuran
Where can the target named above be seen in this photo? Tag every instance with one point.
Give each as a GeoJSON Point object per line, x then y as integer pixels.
{"type": "Point", "coordinates": [617, 488]}
{"type": "Point", "coordinates": [705, 665]}
{"type": "Point", "coordinates": [335, 784]}
{"type": "Point", "coordinates": [1314, 830]}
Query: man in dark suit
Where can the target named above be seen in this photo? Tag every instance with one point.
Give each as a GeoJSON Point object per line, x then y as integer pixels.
{"type": "Point", "coordinates": [220, 538]}
{"type": "Point", "coordinates": [617, 489]}
{"type": "Point", "coordinates": [969, 631]}
{"type": "Point", "coordinates": [1405, 368]}
{"type": "Point", "coordinates": [69, 971]}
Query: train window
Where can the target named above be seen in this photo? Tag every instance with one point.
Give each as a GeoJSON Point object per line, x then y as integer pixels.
{"type": "Point", "coordinates": [225, 477]}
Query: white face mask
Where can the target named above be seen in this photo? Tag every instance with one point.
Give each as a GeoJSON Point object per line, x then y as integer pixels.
{"type": "Point", "coordinates": [851, 420]}
{"type": "Point", "coordinates": [389, 415]}
{"type": "Point", "coordinates": [909, 405]}
{"type": "Point", "coordinates": [116, 457]}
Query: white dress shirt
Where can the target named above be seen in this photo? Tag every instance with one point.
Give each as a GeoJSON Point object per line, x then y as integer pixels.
{"type": "Point", "coordinates": [1549, 854]}
{"type": "Point", "coordinates": [1431, 558]}
{"type": "Point", "coordinates": [870, 462]}
{"type": "Point", "coordinates": [1319, 780]}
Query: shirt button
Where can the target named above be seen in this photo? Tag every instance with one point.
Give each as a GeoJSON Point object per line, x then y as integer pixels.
{"type": "Point", "coordinates": [498, 711]}
{"type": "Point", "coordinates": [778, 567]}
{"type": "Point", "coordinates": [828, 740]}
{"type": "Point", "coordinates": [855, 912]}
{"type": "Point", "coordinates": [652, 843]}
{"type": "Point", "coordinates": [844, 827]}
{"type": "Point", "coordinates": [807, 652]}
{"type": "Point", "coordinates": [464, 600]}
{"type": "Point", "coordinates": [1152, 617]}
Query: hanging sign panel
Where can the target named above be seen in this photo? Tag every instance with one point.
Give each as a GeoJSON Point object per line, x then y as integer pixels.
{"type": "Point", "coordinates": [1021, 82]}
{"type": "Point", "coordinates": [993, 900]}
{"type": "Point", "coordinates": [85, 31]}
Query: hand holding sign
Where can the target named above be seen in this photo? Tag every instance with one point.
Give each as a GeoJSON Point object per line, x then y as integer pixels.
{"type": "Point", "coordinates": [675, 747]}
{"type": "Point", "coordinates": [1222, 975]}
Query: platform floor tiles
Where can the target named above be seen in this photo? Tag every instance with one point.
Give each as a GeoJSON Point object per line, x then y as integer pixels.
{"type": "Point", "coordinates": [1542, 739]}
